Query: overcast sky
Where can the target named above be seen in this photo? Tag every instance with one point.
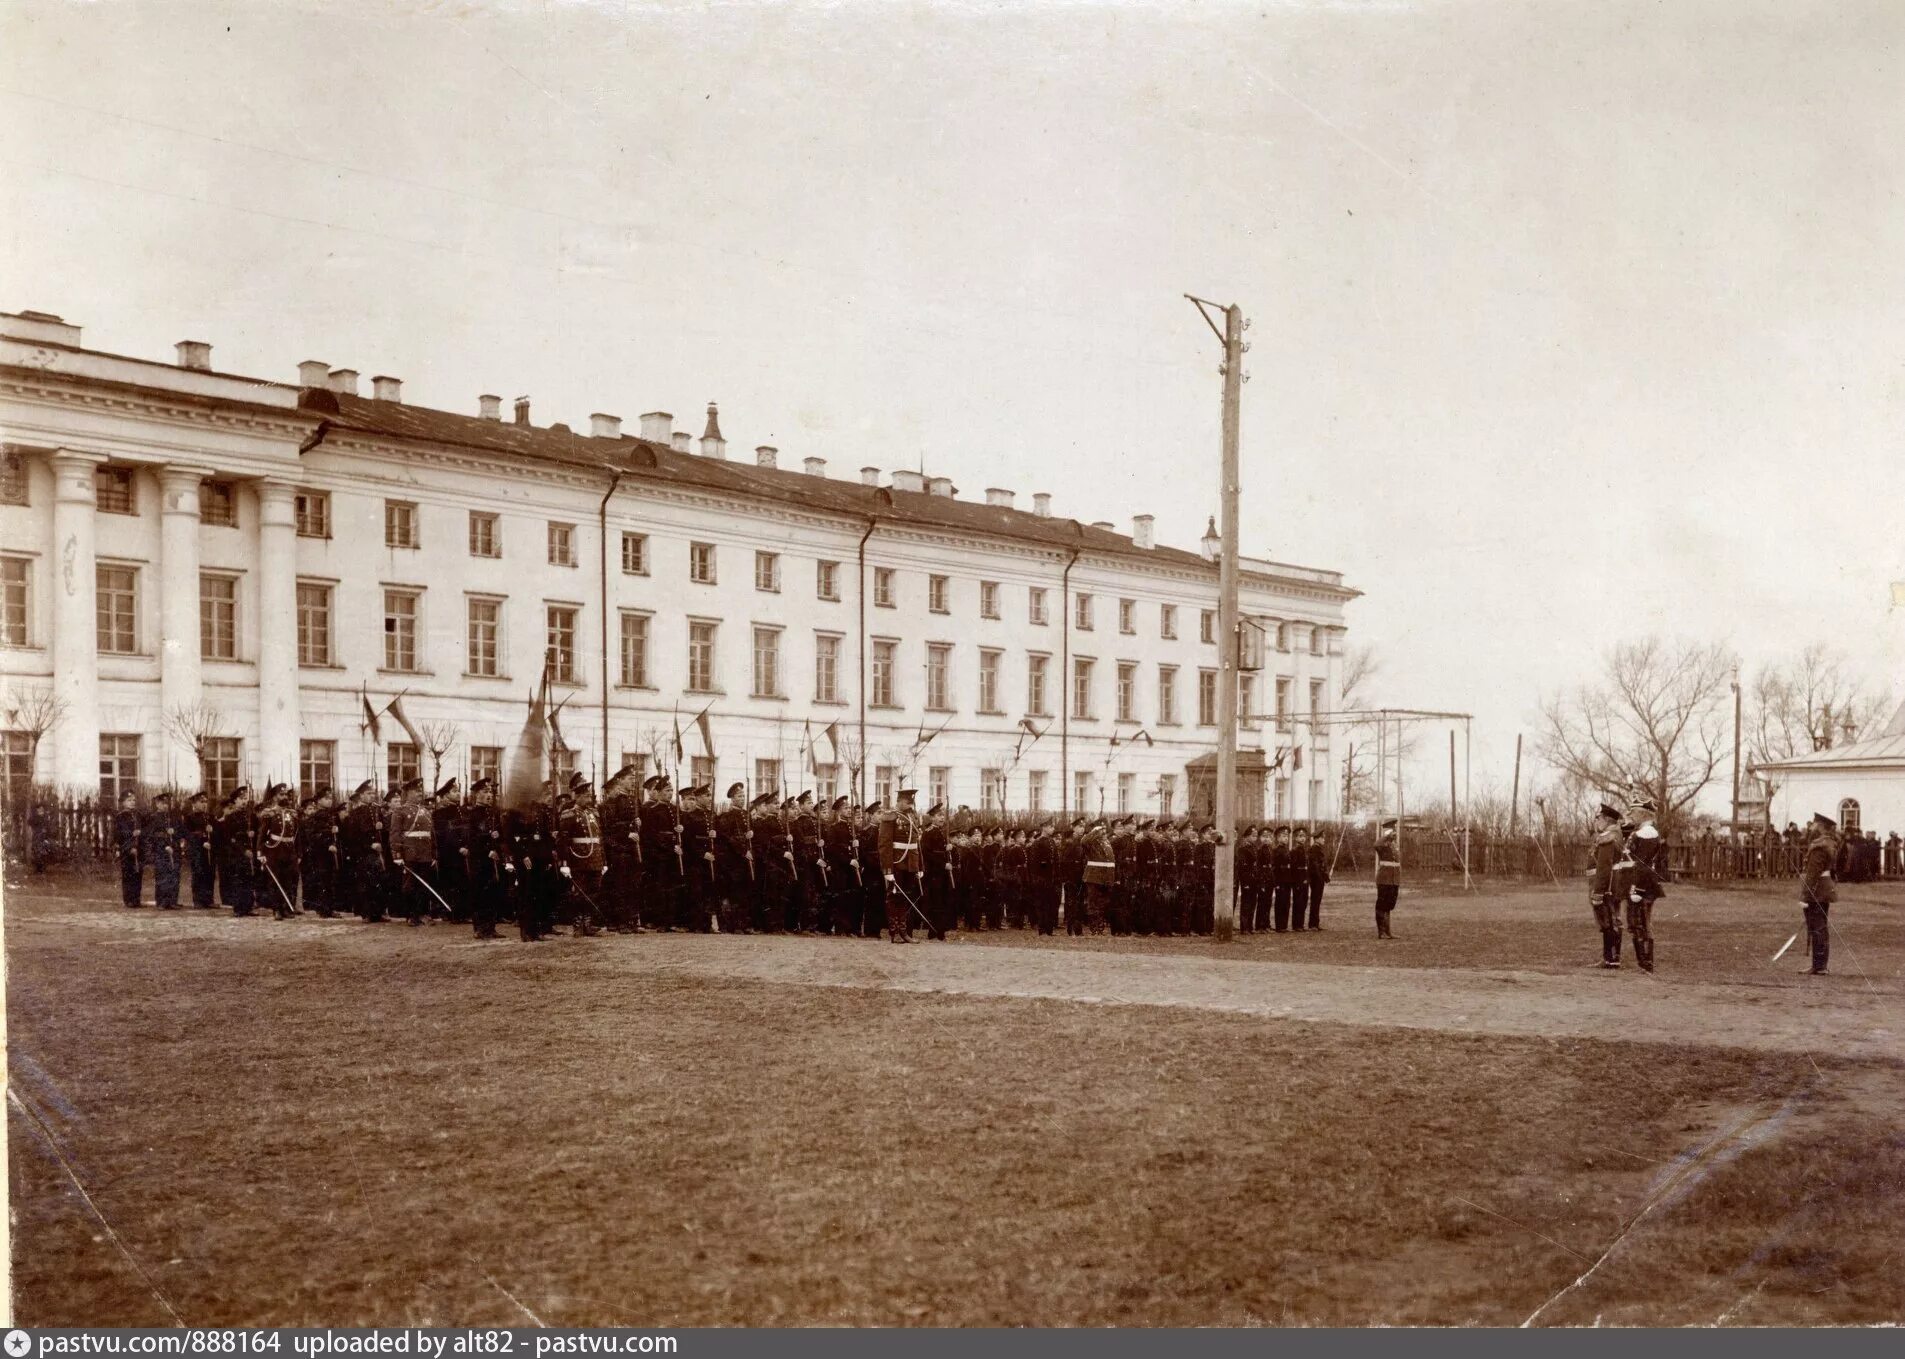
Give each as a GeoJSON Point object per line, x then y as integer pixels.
{"type": "Point", "coordinates": [1571, 322]}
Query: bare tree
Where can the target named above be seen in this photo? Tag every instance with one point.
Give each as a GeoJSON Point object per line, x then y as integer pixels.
{"type": "Point", "coordinates": [1807, 702]}
{"type": "Point", "coordinates": [439, 739]}
{"type": "Point", "coordinates": [34, 709]}
{"type": "Point", "coordinates": [1360, 737]}
{"type": "Point", "coordinates": [1658, 721]}
{"type": "Point", "coordinates": [853, 756]}
{"type": "Point", "coordinates": [195, 725]}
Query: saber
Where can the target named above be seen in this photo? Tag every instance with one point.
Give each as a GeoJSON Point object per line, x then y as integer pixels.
{"type": "Point", "coordinates": [428, 888]}
{"type": "Point", "coordinates": [290, 906]}
{"type": "Point", "coordinates": [914, 904]}
{"type": "Point", "coordinates": [1783, 947]}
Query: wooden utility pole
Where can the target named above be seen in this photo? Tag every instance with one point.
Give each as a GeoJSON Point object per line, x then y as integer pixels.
{"type": "Point", "coordinates": [1514, 797]}
{"type": "Point", "coordinates": [1733, 830]}
{"type": "Point", "coordinates": [1224, 912]}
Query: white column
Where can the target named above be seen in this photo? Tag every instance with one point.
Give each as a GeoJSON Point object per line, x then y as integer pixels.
{"type": "Point", "coordinates": [178, 616]}
{"type": "Point", "coordinates": [73, 580]}
{"type": "Point", "coordinates": [277, 604]}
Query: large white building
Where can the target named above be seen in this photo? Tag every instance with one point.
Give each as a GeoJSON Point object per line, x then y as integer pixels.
{"type": "Point", "coordinates": [205, 567]}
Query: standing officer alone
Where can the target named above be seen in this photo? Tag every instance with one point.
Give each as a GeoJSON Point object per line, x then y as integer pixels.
{"type": "Point", "coordinates": [360, 850]}
{"type": "Point", "coordinates": [453, 851]}
{"type": "Point", "coordinates": [900, 865]}
{"type": "Point", "coordinates": [165, 851]}
{"type": "Point", "coordinates": [1388, 877]}
{"type": "Point", "coordinates": [1817, 891]}
{"type": "Point", "coordinates": [278, 851]}
{"type": "Point", "coordinates": [198, 849]}
{"type": "Point", "coordinates": [237, 851]}
{"type": "Point", "coordinates": [318, 865]}
{"type": "Point", "coordinates": [127, 831]}
{"type": "Point", "coordinates": [1607, 907]}
{"type": "Point", "coordinates": [483, 839]}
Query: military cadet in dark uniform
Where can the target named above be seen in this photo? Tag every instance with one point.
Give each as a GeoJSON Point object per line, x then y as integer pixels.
{"type": "Point", "coordinates": [873, 896]}
{"type": "Point", "coordinates": [453, 850]}
{"type": "Point", "coordinates": [1244, 873]}
{"type": "Point", "coordinates": [164, 848]}
{"type": "Point", "coordinates": [985, 855]}
{"type": "Point", "coordinates": [701, 890]}
{"type": "Point", "coordinates": [237, 851]}
{"type": "Point", "coordinates": [127, 832]}
{"type": "Point", "coordinates": [1319, 865]}
{"type": "Point", "coordinates": [360, 848]}
{"type": "Point", "coordinates": [579, 855]}
{"type": "Point", "coordinates": [810, 864]}
{"type": "Point", "coordinates": [765, 910]}
{"type": "Point", "coordinates": [1039, 889]}
{"type": "Point", "coordinates": [900, 867]}
{"type": "Point", "coordinates": [198, 850]}
{"type": "Point", "coordinates": [413, 841]}
{"type": "Point", "coordinates": [1388, 877]}
{"type": "Point", "coordinates": [1010, 879]}
{"type": "Point", "coordinates": [522, 843]}
{"type": "Point", "coordinates": [966, 876]}
{"type": "Point", "coordinates": [318, 858]}
{"type": "Point", "coordinates": [1299, 878]}
{"type": "Point", "coordinates": [487, 854]}
{"type": "Point", "coordinates": [1817, 890]}
{"type": "Point", "coordinates": [734, 862]}
{"type": "Point", "coordinates": [1204, 882]}
{"type": "Point", "coordinates": [277, 881]}
{"type": "Point", "coordinates": [1276, 858]}
{"type": "Point", "coordinates": [1606, 852]}
{"type": "Point", "coordinates": [1124, 843]}
{"type": "Point", "coordinates": [664, 867]}
{"type": "Point", "coordinates": [1646, 854]}
{"type": "Point", "coordinates": [1101, 874]}
{"type": "Point", "coordinates": [622, 852]}
{"type": "Point", "coordinates": [936, 880]}
{"type": "Point", "coordinates": [840, 843]}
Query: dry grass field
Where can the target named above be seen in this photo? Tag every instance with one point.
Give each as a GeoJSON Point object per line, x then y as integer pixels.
{"type": "Point", "coordinates": [333, 1122]}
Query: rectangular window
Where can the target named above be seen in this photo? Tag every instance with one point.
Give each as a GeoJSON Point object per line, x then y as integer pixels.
{"type": "Point", "coordinates": [1127, 794]}
{"type": "Point", "coordinates": [826, 782]}
{"type": "Point", "coordinates": [486, 762]}
{"type": "Point", "coordinates": [634, 554]}
{"type": "Point", "coordinates": [1127, 691]}
{"type": "Point", "coordinates": [313, 511]}
{"type": "Point", "coordinates": [1035, 790]}
{"type": "Point", "coordinates": [1207, 698]}
{"type": "Point", "coordinates": [561, 764]}
{"type": "Point", "coordinates": [1035, 671]}
{"type": "Point", "coordinates": [1283, 636]}
{"type": "Point", "coordinates": [988, 599]}
{"type": "Point", "coordinates": [562, 544]}
{"type": "Point", "coordinates": [15, 575]}
{"type": "Point", "coordinates": [486, 631]}
{"type": "Point", "coordinates": [560, 653]}
{"type": "Point", "coordinates": [767, 777]}
{"type": "Point", "coordinates": [1167, 622]}
{"type": "Point", "coordinates": [767, 572]}
{"type": "Point", "coordinates": [1035, 605]}
{"type": "Point", "coordinates": [16, 761]}
{"type": "Point", "coordinates": [485, 539]}
{"type": "Point", "coordinates": [635, 650]}
{"type": "Point", "coordinates": [827, 581]}
{"type": "Point", "coordinates": [1246, 697]}
{"type": "Point", "coordinates": [1167, 794]}
{"type": "Point", "coordinates": [218, 765]}
{"type": "Point", "coordinates": [635, 764]}
{"type": "Point", "coordinates": [118, 610]}
{"type": "Point", "coordinates": [217, 617]}
{"type": "Point", "coordinates": [989, 681]}
{"type": "Point", "coordinates": [883, 784]}
{"type": "Point", "coordinates": [883, 587]}
{"type": "Point", "coordinates": [1283, 703]}
{"type": "Point", "coordinates": [1081, 686]}
{"type": "Point", "coordinates": [1081, 793]}
{"type": "Point", "coordinates": [992, 790]}
{"type": "Point", "coordinates": [882, 688]}
{"type": "Point", "coordinates": [1081, 613]}
{"type": "Point", "coordinates": [317, 766]}
{"type": "Point", "coordinates": [938, 594]}
{"type": "Point", "coordinates": [701, 657]}
{"type": "Point", "coordinates": [701, 771]}
{"type": "Point", "coordinates": [701, 563]}
{"type": "Point", "coordinates": [938, 785]}
{"type": "Point", "coordinates": [1207, 625]}
{"type": "Point", "coordinates": [218, 504]}
{"type": "Point", "coordinates": [401, 763]}
{"type": "Point", "coordinates": [118, 764]}
{"type": "Point", "coordinates": [826, 668]}
{"type": "Point", "coordinates": [13, 480]}
{"type": "Point", "coordinates": [112, 487]}
{"type": "Point", "coordinates": [1316, 797]}
{"type": "Point", "coordinates": [1167, 695]}
{"type": "Point", "coordinates": [314, 624]}
{"type": "Point", "coordinates": [1128, 616]}
{"type": "Point", "coordinates": [1318, 638]}
{"type": "Point", "coordinates": [1280, 805]}
{"type": "Point", "coordinates": [1319, 708]}
{"type": "Point", "coordinates": [400, 524]}
{"type": "Point", "coordinates": [400, 630]}
{"type": "Point", "coordinates": [939, 676]}
{"type": "Point", "coordinates": [767, 662]}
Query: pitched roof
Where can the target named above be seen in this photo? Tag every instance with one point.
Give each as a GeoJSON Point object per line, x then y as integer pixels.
{"type": "Point", "coordinates": [1886, 749]}
{"type": "Point", "coordinates": [646, 460]}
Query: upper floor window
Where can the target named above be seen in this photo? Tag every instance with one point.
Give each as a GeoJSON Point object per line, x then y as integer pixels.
{"type": "Point", "coordinates": [701, 563]}
{"type": "Point", "coordinates": [826, 668]}
{"type": "Point", "coordinates": [1167, 622]}
{"type": "Point", "coordinates": [400, 629]}
{"type": "Point", "coordinates": [313, 512]}
{"type": "Point", "coordinates": [15, 575]}
{"type": "Point", "coordinates": [701, 635]}
{"type": "Point", "coordinates": [635, 650]}
{"type": "Point", "coordinates": [827, 581]}
{"type": "Point", "coordinates": [1035, 605]}
{"type": "Point", "coordinates": [118, 609]}
{"type": "Point", "coordinates": [1318, 637]}
{"type": "Point", "coordinates": [634, 554]}
{"type": "Point", "coordinates": [988, 599]}
{"type": "Point", "coordinates": [562, 544]}
{"type": "Point", "coordinates": [1127, 616]}
{"type": "Point", "coordinates": [400, 524]}
{"type": "Point", "coordinates": [485, 540]}
{"type": "Point", "coordinates": [767, 572]}
{"type": "Point", "coordinates": [13, 481]}
{"type": "Point", "coordinates": [218, 504]}
{"type": "Point", "coordinates": [938, 594]}
{"type": "Point", "coordinates": [1035, 671]}
{"type": "Point", "coordinates": [882, 686]}
{"type": "Point", "coordinates": [485, 636]}
{"type": "Point", "coordinates": [1081, 686]}
{"type": "Point", "coordinates": [1082, 613]}
{"type": "Point", "coordinates": [883, 587]}
{"type": "Point", "coordinates": [767, 662]}
{"type": "Point", "coordinates": [1167, 695]}
{"type": "Point", "coordinates": [1207, 698]}
{"type": "Point", "coordinates": [1207, 625]}
{"type": "Point", "coordinates": [1283, 703]}
{"type": "Point", "coordinates": [112, 488]}
{"type": "Point", "coordinates": [560, 654]}
{"type": "Point", "coordinates": [217, 617]}
{"type": "Point", "coordinates": [314, 623]}
{"type": "Point", "coordinates": [1127, 691]}
{"type": "Point", "coordinates": [939, 676]}
{"type": "Point", "coordinates": [989, 681]}
{"type": "Point", "coordinates": [1283, 636]}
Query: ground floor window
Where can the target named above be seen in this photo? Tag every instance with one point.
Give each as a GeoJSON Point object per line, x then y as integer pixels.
{"type": "Point", "coordinates": [486, 762]}
{"type": "Point", "coordinates": [1849, 815]}
{"type": "Point", "coordinates": [401, 763]}
{"type": "Point", "coordinates": [118, 764]}
{"type": "Point", "coordinates": [317, 764]}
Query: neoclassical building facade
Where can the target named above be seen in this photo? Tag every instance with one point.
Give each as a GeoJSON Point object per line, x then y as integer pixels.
{"type": "Point", "coordinates": [215, 577]}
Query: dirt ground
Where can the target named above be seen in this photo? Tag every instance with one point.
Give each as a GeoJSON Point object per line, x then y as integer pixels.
{"type": "Point", "coordinates": [229, 1120]}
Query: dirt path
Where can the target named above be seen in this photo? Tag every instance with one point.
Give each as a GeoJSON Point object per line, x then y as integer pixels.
{"type": "Point", "coordinates": [1842, 1016]}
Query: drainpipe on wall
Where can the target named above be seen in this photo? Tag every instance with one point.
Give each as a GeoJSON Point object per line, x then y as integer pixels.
{"type": "Point", "coordinates": [602, 518]}
{"type": "Point", "coordinates": [1065, 689]}
{"type": "Point", "coordinates": [860, 790]}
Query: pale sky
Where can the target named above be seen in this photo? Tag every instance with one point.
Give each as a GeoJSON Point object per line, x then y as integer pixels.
{"type": "Point", "coordinates": [1571, 321]}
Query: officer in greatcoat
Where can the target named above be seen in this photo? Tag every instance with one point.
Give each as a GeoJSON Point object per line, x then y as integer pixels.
{"type": "Point", "coordinates": [1818, 890]}
{"type": "Point", "coordinates": [901, 864]}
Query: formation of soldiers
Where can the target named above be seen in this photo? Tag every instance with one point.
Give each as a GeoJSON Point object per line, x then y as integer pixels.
{"type": "Point", "coordinates": [643, 857]}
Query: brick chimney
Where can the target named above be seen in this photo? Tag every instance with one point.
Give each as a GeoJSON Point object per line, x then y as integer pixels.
{"type": "Point", "coordinates": [684, 442]}
{"type": "Point", "coordinates": [344, 380]}
{"type": "Point", "coordinates": [1042, 504]}
{"type": "Point", "coordinates": [767, 456]}
{"type": "Point", "coordinates": [909, 481]}
{"type": "Point", "coordinates": [386, 389]}
{"type": "Point", "coordinates": [522, 410]}
{"type": "Point", "coordinates": [999, 497]}
{"type": "Point", "coordinates": [605, 426]}
{"type": "Point", "coordinates": [194, 354]}
{"type": "Point", "coordinates": [869, 476]}
{"type": "Point", "coordinates": [814, 467]}
{"type": "Point", "coordinates": [1142, 531]}
{"type": "Point", "coordinates": [658, 427]}
{"type": "Point", "coordinates": [489, 407]}
{"type": "Point", "coordinates": [941, 486]}
{"type": "Point", "coordinates": [314, 373]}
